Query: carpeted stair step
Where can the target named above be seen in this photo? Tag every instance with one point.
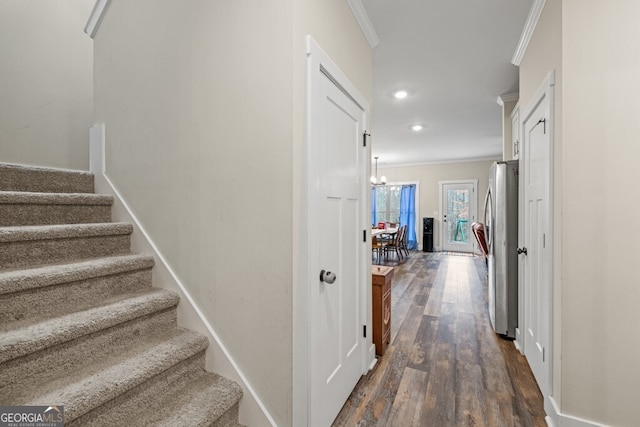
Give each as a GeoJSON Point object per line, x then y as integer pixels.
{"type": "Point", "coordinates": [44, 180]}
{"type": "Point", "coordinates": [189, 397]}
{"type": "Point", "coordinates": [80, 324]}
{"type": "Point", "coordinates": [207, 400]}
{"type": "Point", "coordinates": [142, 367]}
{"type": "Point", "coordinates": [49, 244]}
{"type": "Point", "coordinates": [28, 338]}
{"type": "Point", "coordinates": [64, 343]}
{"type": "Point", "coordinates": [41, 292]}
{"type": "Point", "coordinates": [51, 362]}
{"type": "Point", "coordinates": [24, 208]}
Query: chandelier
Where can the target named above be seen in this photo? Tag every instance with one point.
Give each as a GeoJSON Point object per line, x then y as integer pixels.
{"type": "Point", "coordinates": [374, 178]}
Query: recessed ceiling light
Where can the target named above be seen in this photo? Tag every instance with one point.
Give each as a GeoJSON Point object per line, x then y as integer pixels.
{"type": "Point", "coordinates": [416, 127]}
{"type": "Point", "coordinates": [401, 94]}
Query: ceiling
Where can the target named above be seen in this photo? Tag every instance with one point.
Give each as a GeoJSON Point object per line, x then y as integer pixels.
{"type": "Point", "coordinates": [453, 57]}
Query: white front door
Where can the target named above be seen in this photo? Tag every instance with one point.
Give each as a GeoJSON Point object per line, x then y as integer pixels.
{"type": "Point", "coordinates": [337, 302]}
{"type": "Point", "coordinates": [458, 201]}
{"type": "Point", "coordinates": [536, 263]}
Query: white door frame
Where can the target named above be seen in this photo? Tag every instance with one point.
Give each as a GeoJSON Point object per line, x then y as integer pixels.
{"type": "Point", "coordinates": [474, 209]}
{"type": "Point", "coordinates": [318, 62]}
{"type": "Point", "coordinates": [544, 93]}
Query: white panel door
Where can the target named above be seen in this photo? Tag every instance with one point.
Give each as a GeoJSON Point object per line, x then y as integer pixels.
{"type": "Point", "coordinates": [536, 261]}
{"type": "Point", "coordinates": [458, 213]}
{"type": "Point", "coordinates": [337, 342]}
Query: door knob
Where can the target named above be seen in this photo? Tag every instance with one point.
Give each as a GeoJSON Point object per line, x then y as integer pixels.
{"type": "Point", "coordinates": [327, 276]}
{"type": "Point", "coordinates": [522, 251]}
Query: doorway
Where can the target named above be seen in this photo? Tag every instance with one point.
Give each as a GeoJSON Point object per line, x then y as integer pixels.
{"type": "Point", "coordinates": [536, 238]}
{"type": "Point", "coordinates": [332, 299]}
{"type": "Point", "coordinates": [458, 205]}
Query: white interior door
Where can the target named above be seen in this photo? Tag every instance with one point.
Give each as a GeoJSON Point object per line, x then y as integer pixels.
{"type": "Point", "coordinates": [537, 260]}
{"type": "Point", "coordinates": [336, 307]}
{"type": "Point", "coordinates": [458, 207]}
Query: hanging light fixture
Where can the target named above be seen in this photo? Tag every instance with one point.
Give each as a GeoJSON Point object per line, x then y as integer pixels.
{"type": "Point", "coordinates": [374, 178]}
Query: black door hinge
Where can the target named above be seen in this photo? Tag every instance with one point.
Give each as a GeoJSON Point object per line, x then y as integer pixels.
{"type": "Point", "coordinates": [364, 330]}
{"type": "Point", "coordinates": [364, 236]}
{"type": "Point", "coordinates": [364, 138]}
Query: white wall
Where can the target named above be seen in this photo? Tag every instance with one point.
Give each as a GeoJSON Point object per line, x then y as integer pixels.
{"type": "Point", "coordinates": [600, 285]}
{"type": "Point", "coordinates": [46, 89]}
{"type": "Point", "coordinates": [507, 131]}
{"type": "Point", "coordinates": [590, 45]}
{"type": "Point", "coordinates": [196, 97]}
{"type": "Point", "coordinates": [543, 55]}
{"type": "Point", "coordinates": [204, 108]}
{"type": "Point", "coordinates": [429, 176]}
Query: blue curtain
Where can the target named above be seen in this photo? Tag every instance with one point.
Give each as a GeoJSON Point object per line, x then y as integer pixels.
{"type": "Point", "coordinates": [408, 213]}
{"type": "Point", "coordinates": [373, 206]}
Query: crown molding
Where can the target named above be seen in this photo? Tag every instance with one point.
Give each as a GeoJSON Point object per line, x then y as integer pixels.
{"type": "Point", "coordinates": [527, 31]}
{"type": "Point", "coordinates": [95, 18]}
{"type": "Point", "coordinates": [440, 162]}
{"type": "Point", "coordinates": [366, 26]}
{"type": "Point", "coordinates": [507, 97]}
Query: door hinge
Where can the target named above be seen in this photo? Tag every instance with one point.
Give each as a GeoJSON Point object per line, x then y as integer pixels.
{"type": "Point", "coordinates": [543, 354]}
{"type": "Point", "coordinates": [544, 240]}
{"type": "Point", "coordinates": [364, 236]}
{"type": "Point", "coordinates": [364, 330]}
{"type": "Point", "coordinates": [364, 138]}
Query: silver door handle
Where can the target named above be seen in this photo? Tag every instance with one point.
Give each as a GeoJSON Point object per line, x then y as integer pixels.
{"type": "Point", "coordinates": [487, 227]}
{"type": "Point", "coordinates": [522, 251]}
{"type": "Point", "coordinates": [486, 201]}
{"type": "Point", "coordinates": [328, 277]}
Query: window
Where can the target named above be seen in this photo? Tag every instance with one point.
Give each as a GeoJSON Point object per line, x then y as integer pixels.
{"type": "Point", "coordinates": [387, 203]}
{"type": "Point", "coordinates": [396, 203]}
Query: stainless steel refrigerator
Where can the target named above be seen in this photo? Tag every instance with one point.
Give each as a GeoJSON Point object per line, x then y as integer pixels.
{"type": "Point", "coordinates": [501, 234]}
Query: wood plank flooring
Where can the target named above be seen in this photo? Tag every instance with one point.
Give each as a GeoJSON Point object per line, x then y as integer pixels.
{"type": "Point", "coordinates": [445, 365]}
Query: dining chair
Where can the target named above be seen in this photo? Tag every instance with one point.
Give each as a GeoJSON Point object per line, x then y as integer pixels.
{"type": "Point", "coordinates": [378, 247]}
{"type": "Point", "coordinates": [389, 237]}
{"type": "Point", "coordinates": [403, 244]}
{"type": "Point", "coordinates": [395, 245]}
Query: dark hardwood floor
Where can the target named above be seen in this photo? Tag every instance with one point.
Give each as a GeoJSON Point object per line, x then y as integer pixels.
{"type": "Point", "coordinates": [445, 365]}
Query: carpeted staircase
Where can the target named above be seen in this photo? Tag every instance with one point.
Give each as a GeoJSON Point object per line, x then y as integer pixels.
{"type": "Point", "coordinates": [81, 325]}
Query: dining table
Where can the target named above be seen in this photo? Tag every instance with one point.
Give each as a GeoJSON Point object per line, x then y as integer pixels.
{"type": "Point", "coordinates": [380, 231]}
{"type": "Point", "coordinates": [384, 235]}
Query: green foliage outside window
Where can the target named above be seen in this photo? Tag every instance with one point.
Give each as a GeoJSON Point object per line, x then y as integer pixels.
{"type": "Point", "coordinates": [388, 203]}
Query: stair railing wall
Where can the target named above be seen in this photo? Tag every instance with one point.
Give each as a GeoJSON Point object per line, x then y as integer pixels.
{"type": "Point", "coordinates": [253, 412]}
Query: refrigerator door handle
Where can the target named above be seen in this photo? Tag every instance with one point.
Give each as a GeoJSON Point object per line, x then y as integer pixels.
{"type": "Point", "coordinates": [486, 200]}
{"type": "Point", "coordinates": [488, 226]}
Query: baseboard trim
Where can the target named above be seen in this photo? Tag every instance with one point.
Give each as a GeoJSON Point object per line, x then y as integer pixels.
{"type": "Point", "coordinates": [557, 419]}
{"type": "Point", "coordinates": [253, 412]}
{"type": "Point", "coordinates": [372, 356]}
{"type": "Point", "coordinates": [517, 341]}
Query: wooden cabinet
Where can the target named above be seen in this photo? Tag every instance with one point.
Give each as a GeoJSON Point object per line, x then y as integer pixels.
{"type": "Point", "coordinates": [381, 281]}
